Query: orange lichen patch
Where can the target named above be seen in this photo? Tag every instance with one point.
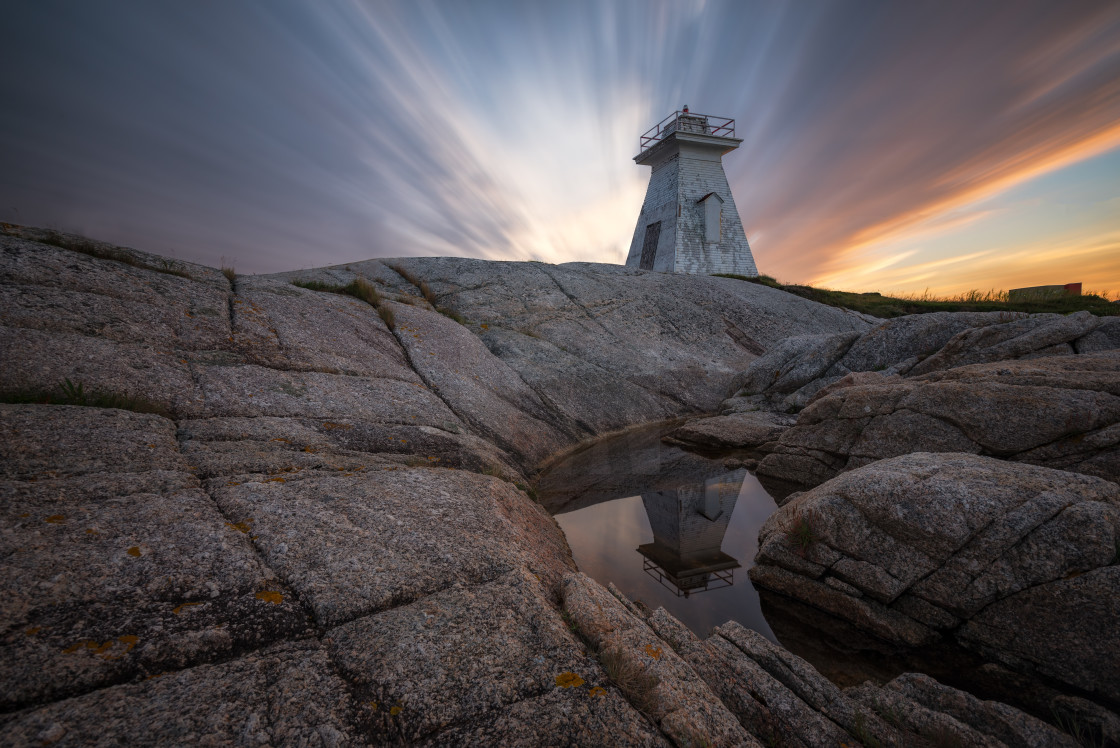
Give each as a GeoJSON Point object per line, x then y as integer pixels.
{"type": "Point", "coordinates": [394, 710]}
{"type": "Point", "coordinates": [309, 450]}
{"type": "Point", "coordinates": [103, 649]}
{"type": "Point", "coordinates": [484, 326]}
{"type": "Point", "coordinates": [654, 652]}
{"type": "Point", "coordinates": [129, 641]}
{"type": "Point", "coordinates": [33, 630]}
{"type": "Point", "coordinates": [568, 680]}
{"type": "Point", "coordinates": [280, 439]}
{"type": "Point", "coordinates": [188, 314]}
{"type": "Point", "coordinates": [151, 446]}
{"type": "Point", "coordinates": [242, 527]}
{"type": "Point", "coordinates": [434, 459]}
{"type": "Point", "coordinates": [25, 515]}
{"type": "Point", "coordinates": [274, 480]}
{"type": "Point", "coordinates": [178, 609]}
{"type": "Point", "coordinates": [91, 531]}
{"type": "Point", "coordinates": [134, 551]}
{"type": "Point", "coordinates": [156, 675]}
{"type": "Point", "coordinates": [328, 426]}
{"type": "Point", "coordinates": [55, 519]}
{"type": "Point", "coordinates": [372, 705]}
{"type": "Point", "coordinates": [597, 691]}
{"type": "Point", "coordinates": [270, 596]}
{"type": "Point", "coordinates": [233, 483]}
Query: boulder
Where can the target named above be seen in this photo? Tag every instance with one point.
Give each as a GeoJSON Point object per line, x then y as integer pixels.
{"type": "Point", "coordinates": [738, 431]}
{"type": "Point", "coordinates": [791, 375]}
{"type": "Point", "coordinates": [1061, 412]}
{"type": "Point", "coordinates": [911, 548]}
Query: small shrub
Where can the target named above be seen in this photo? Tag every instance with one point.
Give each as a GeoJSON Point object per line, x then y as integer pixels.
{"type": "Point", "coordinates": [632, 679]}
{"type": "Point", "coordinates": [229, 273]}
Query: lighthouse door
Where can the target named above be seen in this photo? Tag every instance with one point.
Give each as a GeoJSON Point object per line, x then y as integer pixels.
{"type": "Point", "coordinates": [649, 246]}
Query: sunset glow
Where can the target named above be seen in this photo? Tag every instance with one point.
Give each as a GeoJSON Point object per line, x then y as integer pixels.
{"type": "Point", "coordinates": [894, 147]}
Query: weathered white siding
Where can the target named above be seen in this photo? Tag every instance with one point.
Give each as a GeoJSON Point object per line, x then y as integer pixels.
{"type": "Point", "coordinates": [682, 174]}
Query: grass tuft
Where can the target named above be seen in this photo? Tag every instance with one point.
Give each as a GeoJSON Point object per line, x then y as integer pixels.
{"type": "Point", "coordinates": [387, 317]}
{"type": "Point", "coordinates": [862, 733]}
{"type": "Point", "coordinates": [102, 252]}
{"type": "Point", "coordinates": [878, 305]}
{"type": "Point", "coordinates": [803, 532]}
{"type": "Point", "coordinates": [229, 273]}
{"type": "Point", "coordinates": [69, 393]}
{"type": "Point", "coordinates": [428, 294]}
{"type": "Point", "coordinates": [360, 289]}
{"type": "Point", "coordinates": [632, 679]}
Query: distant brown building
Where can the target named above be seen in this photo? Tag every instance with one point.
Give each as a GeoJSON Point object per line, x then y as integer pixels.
{"type": "Point", "coordinates": [1043, 292]}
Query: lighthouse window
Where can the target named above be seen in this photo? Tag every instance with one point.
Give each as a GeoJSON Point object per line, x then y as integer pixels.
{"type": "Point", "coordinates": [649, 246]}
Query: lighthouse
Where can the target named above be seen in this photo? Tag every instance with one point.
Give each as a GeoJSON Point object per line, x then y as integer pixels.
{"type": "Point", "coordinates": [689, 223]}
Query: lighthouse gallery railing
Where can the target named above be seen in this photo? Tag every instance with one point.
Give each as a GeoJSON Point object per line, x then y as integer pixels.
{"type": "Point", "coordinates": [722, 127]}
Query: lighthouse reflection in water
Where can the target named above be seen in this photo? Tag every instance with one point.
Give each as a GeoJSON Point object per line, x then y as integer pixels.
{"type": "Point", "coordinates": [667, 527]}
{"type": "Point", "coordinates": [688, 526]}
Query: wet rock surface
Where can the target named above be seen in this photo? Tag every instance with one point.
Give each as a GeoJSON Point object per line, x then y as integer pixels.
{"type": "Point", "coordinates": [779, 698]}
{"type": "Point", "coordinates": [322, 535]}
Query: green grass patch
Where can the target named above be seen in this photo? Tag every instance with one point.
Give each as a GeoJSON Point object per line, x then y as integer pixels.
{"type": "Point", "coordinates": [68, 393]}
{"type": "Point", "coordinates": [972, 301]}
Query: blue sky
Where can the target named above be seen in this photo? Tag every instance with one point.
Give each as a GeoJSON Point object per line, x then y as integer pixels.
{"type": "Point", "coordinates": [886, 146]}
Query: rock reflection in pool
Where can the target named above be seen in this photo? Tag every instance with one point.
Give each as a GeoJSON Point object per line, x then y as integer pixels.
{"type": "Point", "coordinates": [667, 527]}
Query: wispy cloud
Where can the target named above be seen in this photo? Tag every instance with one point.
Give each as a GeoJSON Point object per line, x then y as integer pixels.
{"type": "Point", "coordinates": [288, 134]}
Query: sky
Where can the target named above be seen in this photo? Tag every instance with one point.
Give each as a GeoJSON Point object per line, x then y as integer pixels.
{"type": "Point", "coordinates": [905, 147]}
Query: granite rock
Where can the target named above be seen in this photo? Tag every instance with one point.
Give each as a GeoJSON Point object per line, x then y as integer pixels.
{"type": "Point", "coordinates": [1061, 412]}
{"type": "Point", "coordinates": [921, 543]}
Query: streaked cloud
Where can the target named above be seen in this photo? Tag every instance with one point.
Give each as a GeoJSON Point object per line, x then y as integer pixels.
{"type": "Point", "coordinates": [877, 137]}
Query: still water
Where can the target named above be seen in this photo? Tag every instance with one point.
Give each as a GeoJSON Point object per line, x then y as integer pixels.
{"type": "Point", "coordinates": [667, 527]}
{"type": "Point", "coordinates": [678, 530]}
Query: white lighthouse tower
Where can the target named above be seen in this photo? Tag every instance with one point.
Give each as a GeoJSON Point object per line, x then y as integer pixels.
{"type": "Point", "coordinates": [688, 222]}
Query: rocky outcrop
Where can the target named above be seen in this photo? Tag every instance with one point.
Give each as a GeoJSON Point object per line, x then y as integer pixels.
{"type": "Point", "coordinates": [1013, 560]}
{"type": "Point", "coordinates": [317, 531]}
{"type": "Point", "coordinates": [792, 373]}
{"type": "Point", "coordinates": [781, 700]}
{"type": "Point", "coordinates": [315, 536]}
{"type": "Point", "coordinates": [541, 358]}
{"type": "Point", "coordinates": [750, 432]}
{"type": "Point", "coordinates": [1061, 412]}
